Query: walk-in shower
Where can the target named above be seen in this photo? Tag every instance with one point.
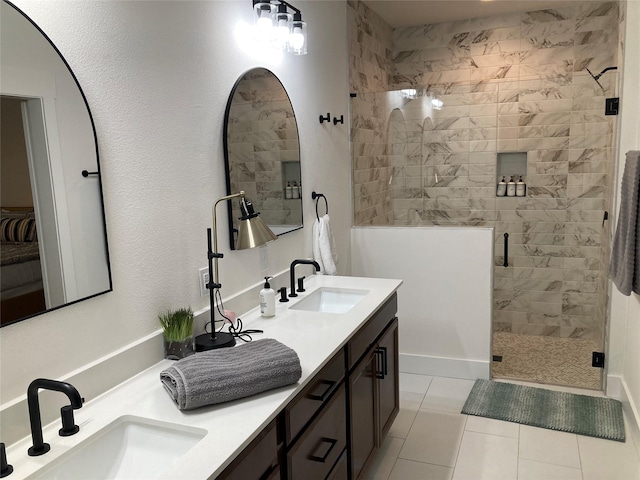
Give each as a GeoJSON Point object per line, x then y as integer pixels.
{"type": "Point", "coordinates": [430, 120]}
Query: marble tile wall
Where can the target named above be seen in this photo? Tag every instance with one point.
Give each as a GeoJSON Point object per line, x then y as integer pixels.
{"type": "Point", "coordinates": [262, 135]}
{"type": "Point", "coordinates": [516, 82]}
{"type": "Point", "coordinates": [370, 67]}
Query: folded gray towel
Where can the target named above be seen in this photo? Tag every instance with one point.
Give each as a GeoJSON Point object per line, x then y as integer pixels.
{"type": "Point", "coordinates": [226, 374]}
{"type": "Point", "coordinates": [624, 267]}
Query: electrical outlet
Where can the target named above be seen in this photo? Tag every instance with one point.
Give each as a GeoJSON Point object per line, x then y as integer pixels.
{"type": "Point", "coordinates": [203, 278]}
{"type": "Point", "coordinates": [264, 259]}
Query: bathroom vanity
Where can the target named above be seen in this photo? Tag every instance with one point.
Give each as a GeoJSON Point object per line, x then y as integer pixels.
{"type": "Point", "coordinates": [351, 403]}
{"type": "Point", "coordinates": [328, 425]}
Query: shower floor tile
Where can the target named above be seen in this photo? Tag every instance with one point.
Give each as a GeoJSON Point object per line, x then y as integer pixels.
{"type": "Point", "coordinates": [544, 359]}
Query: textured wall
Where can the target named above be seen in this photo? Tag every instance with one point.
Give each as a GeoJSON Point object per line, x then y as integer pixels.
{"type": "Point", "coordinates": [370, 70]}
{"type": "Point", "coordinates": [157, 76]}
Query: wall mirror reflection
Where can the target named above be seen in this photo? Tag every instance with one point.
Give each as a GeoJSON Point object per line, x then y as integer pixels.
{"type": "Point", "coordinates": [53, 246]}
{"type": "Point", "coordinates": [262, 152]}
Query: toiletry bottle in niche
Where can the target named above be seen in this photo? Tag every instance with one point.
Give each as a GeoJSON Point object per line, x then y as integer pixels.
{"type": "Point", "coordinates": [501, 191]}
{"type": "Point", "coordinates": [295, 190]}
{"type": "Point", "coordinates": [267, 299]}
{"type": "Point", "coordinates": [521, 188]}
{"type": "Point", "coordinates": [511, 188]}
{"type": "Point", "coordinates": [288, 191]}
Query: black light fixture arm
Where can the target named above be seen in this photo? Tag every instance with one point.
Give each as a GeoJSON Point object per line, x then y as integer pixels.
{"type": "Point", "coordinates": [279, 2]}
{"type": "Point", "coordinates": [288, 5]}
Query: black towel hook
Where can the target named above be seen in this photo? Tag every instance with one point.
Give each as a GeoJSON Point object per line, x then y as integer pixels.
{"type": "Point", "coordinates": [316, 196]}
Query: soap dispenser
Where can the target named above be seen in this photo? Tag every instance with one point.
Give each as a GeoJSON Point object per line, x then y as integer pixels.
{"type": "Point", "coordinates": [501, 191]}
{"type": "Point", "coordinates": [521, 188]}
{"type": "Point", "coordinates": [267, 299]}
{"type": "Point", "coordinates": [511, 188]}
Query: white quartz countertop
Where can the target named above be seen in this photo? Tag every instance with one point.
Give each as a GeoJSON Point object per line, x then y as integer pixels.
{"type": "Point", "coordinates": [231, 426]}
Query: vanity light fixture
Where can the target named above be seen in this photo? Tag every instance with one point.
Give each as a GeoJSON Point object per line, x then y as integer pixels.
{"type": "Point", "coordinates": [252, 233]}
{"type": "Point", "coordinates": [276, 26]}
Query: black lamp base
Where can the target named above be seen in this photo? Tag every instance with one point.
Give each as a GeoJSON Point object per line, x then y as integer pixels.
{"type": "Point", "coordinates": [204, 342]}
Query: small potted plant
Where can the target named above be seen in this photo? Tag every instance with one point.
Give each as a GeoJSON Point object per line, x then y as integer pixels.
{"type": "Point", "coordinates": [177, 326]}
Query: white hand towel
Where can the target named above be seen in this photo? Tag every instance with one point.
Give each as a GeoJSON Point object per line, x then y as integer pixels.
{"type": "Point", "coordinates": [324, 246]}
{"type": "Point", "coordinates": [624, 267]}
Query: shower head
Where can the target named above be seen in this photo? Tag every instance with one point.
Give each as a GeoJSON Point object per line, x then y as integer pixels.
{"type": "Point", "coordinates": [602, 72]}
{"type": "Point", "coordinates": [596, 77]}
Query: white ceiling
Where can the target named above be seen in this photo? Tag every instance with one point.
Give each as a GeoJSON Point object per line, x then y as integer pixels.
{"type": "Point", "coordinates": [405, 13]}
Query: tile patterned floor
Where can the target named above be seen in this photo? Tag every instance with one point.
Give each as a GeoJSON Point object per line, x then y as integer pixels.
{"type": "Point", "coordinates": [431, 440]}
{"type": "Point", "coordinates": [546, 359]}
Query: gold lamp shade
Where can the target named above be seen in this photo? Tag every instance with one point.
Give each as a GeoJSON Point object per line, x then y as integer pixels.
{"type": "Point", "coordinates": [253, 233]}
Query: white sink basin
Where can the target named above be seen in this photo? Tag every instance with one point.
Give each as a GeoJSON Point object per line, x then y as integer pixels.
{"type": "Point", "coordinates": [330, 300]}
{"type": "Point", "coordinates": [128, 448]}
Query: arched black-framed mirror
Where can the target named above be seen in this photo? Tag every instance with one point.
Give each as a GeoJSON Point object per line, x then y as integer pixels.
{"type": "Point", "coordinates": [262, 152]}
{"type": "Point", "coordinates": [54, 245]}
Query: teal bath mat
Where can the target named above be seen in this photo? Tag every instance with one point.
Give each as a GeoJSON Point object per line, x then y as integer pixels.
{"type": "Point", "coordinates": [568, 412]}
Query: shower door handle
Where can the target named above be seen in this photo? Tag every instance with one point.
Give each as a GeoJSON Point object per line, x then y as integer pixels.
{"type": "Point", "coordinates": [506, 249]}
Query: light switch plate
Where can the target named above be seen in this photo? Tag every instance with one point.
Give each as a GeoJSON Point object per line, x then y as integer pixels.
{"type": "Point", "coordinates": [203, 279]}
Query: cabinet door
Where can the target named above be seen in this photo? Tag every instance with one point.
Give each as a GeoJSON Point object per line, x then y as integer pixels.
{"type": "Point", "coordinates": [388, 388]}
{"type": "Point", "coordinates": [362, 412]}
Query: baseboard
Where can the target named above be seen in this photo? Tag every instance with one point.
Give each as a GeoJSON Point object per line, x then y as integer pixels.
{"type": "Point", "coordinates": [617, 388]}
{"type": "Point", "coordinates": [444, 367]}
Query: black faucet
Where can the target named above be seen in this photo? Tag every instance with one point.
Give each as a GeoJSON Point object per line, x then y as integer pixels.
{"type": "Point", "coordinates": [39, 447]}
{"type": "Point", "coordinates": [292, 273]}
{"type": "Point", "coordinates": [5, 468]}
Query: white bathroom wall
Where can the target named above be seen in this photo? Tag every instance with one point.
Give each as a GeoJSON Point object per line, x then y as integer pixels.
{"type": "Point", "coordinates": [623, 354]}
{"type": "Point", "coordinates": [445, 301]}
{"type": "Point", "coordinates": [157, 76]}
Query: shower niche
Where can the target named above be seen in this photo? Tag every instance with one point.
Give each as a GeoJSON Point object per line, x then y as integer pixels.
{"type": "Point", "coordinates": [511, 170]}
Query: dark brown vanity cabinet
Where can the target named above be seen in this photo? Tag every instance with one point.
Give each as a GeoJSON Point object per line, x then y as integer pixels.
{"type": "Point", "coordinates": [334, 426]}
{"type": "Point", "coordinates": [373, 391]}
{"type": "Point", "coordinates": [260, 460]}
{"type": "Point", "coordinates": [315, 424]}
{"type": "Point", "coordinates": [321, 445]}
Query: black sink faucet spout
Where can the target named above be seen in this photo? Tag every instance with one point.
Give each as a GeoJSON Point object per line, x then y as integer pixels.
{"type": "Point", "coordinates": [39, 447]}
{"type": "Point", "coordinates": [292, 273]}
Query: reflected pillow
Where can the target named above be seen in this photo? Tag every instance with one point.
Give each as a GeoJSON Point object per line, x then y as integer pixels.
{"type": "Point", "coordinates": [18, 230]}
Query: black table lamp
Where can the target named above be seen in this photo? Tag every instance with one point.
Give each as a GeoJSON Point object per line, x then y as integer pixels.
{"type": "Point", "coordinates": [252, 233]}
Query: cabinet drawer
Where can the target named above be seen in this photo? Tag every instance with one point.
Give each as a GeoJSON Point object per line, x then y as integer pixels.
{"type": "Point", "coordinates": [319, 448]}
{"type": "Point", "coordinates": [302, 408]}
{"type": "Point", "coordinates": [259, 460]}
{"type": "Point", "coordinates": [368, 334]}
{"type": "Point", "coordinates": [341, 470]}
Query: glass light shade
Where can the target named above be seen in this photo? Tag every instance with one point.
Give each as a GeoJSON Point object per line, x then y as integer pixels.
{"type": "Point", "coordinates": [264, 30]}
{"type": "Point", "coordinates": [298, 38]}
{"type": "Point", "coordinates": [282, 28]}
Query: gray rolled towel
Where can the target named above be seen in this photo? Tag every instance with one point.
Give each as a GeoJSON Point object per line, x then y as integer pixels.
{"type": "Point", "coordinates": [624, 265]}
{"type": "Point", "coordinates": [226, 374]}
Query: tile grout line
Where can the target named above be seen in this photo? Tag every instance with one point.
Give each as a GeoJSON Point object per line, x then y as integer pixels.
{"type": "Point", "coordinates": [455, 464]}
{"type": "Point", "coordinates": [580, 458]}
{"type": "Point", "coordinates": [396, 460]}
